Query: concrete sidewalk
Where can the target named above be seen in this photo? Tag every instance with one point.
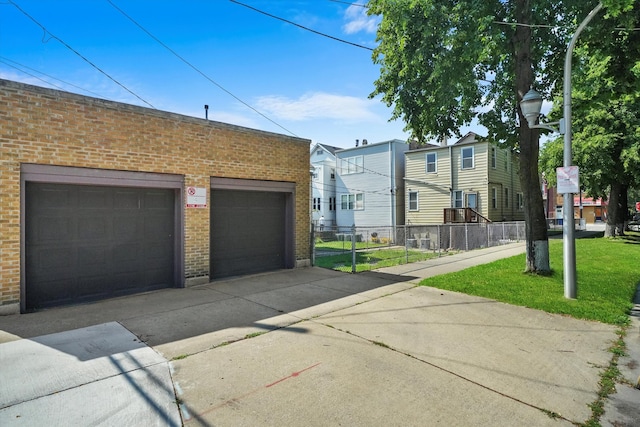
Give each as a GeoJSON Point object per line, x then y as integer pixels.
{"type": "Point", "coordinates": [315, 347]}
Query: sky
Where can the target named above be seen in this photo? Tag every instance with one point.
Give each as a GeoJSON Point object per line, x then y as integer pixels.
{"type": "Point", "coordinates": [251, 69]}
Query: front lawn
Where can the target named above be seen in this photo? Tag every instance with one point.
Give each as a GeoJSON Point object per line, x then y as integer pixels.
{"type": "Point", "coordinates": [369, 260]}
{"type": "Point", "coordinates": [607, 270]}
{"type": "Point", "coordinates": [345, 245]}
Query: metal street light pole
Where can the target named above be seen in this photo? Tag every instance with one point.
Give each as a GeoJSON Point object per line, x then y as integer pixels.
{"type": "Point", "coordinates": [568, 236]}
{"type": "Point", "coordinates": [530, 106]}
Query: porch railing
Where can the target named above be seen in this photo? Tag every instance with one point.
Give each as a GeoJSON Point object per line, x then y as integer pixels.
{"type": "Point", "coordinates": [463, 215]}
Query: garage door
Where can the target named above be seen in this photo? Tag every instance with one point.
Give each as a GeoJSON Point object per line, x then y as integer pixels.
{"type": "Point", "coordinates": [91, 242]}
{"type": "Point", "coordinates": [247, 232]}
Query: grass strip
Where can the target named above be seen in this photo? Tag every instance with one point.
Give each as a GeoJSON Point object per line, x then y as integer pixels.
{"type": "Point", "coordinates": [607, 277]}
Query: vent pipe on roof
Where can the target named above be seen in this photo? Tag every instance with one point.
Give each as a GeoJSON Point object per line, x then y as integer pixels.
{"type": "Point", "coordinates": [206, 112]}
{"type": "Point", "coordinates": [365, 142]}
{"type": "Point", "coordinates": [357, 142]}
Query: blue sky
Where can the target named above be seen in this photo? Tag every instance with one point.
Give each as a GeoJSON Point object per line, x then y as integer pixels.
{"type": "Point", "coordinates": [312, 86]}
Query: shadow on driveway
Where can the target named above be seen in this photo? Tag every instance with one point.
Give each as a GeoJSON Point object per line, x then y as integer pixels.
{"type": "Point", "coordinates": [238, 306]}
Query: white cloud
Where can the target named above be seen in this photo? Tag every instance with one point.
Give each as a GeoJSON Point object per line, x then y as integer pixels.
{"type": "Point", "coordinates": [358, 20]}
{"type": "Point", "coordinates": [317, 105]}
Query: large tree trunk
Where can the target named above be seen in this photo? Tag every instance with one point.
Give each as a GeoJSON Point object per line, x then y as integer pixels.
{"type": "Point", "coordinates": [616, 210]}
{"type": "Point", "coordinates": [537, 241]}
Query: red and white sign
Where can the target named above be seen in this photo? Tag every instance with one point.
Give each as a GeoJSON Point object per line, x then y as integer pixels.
{"type": "Point", "coordinates": [638, 206]}
{"type": "Point", "coordinates": [568, 180]}
{"type": "Point", "coordinates": [196, 197]}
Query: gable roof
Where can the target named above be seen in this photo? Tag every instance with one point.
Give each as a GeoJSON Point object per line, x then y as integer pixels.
{"type": "Point", "coordinates": [469, 138]}
{"type": "Point", "coordinates": [331, 149]}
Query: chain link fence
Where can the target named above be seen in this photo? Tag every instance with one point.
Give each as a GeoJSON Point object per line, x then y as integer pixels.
{"type": "Point", "coordinates": [364, 248]}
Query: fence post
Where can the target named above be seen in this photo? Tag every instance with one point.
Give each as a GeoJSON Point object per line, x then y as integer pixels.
{"type": "Point", "coordinates": [439, 240]}
{"type": "Point", "coordinates": [466, 237]}
{"type": "Point", "coordinates": [488, 235]}
{"type": "Point", "coordinates": [313, 245]}
{"type": "Point", "coordinates": [353, 248]}
{"type": "Point", "coordinates": [406, 244]}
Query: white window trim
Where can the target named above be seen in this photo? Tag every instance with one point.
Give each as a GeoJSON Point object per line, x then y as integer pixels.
{"type": "Point", "coordinates": [427, 163]}
{"type": "Point", "coordinates": [352, 165]}
{"type": "Point", "coordinates": [494, 157]}
{"type": "Point", "coordinates": [454, 199]}
{"type": "Point", "coordinates": [352, 200]}
{"type": "Point", "coordinates": [466, 198]}
{"type": "Point", "coordinates": [473, 161]}
{"type": "Point", "coordinates": [494, 198]}
{"type": "Point", "coordinates": [417, 208]}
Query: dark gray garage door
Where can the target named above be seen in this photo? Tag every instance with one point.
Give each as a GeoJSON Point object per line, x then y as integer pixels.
{"type": "Point", "coordinates": [247, 232]}
{"type": "Point", "coordinates": [91, 242]}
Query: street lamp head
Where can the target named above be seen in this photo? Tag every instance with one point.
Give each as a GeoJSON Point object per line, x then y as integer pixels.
{"type": "Point", "coordinates": [530, 106]}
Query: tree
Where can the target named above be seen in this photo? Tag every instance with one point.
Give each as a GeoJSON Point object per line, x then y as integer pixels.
{"type": "Point", "coordinates": [606, 102]}
{"type": "Point", "coordinates": [447, 62]}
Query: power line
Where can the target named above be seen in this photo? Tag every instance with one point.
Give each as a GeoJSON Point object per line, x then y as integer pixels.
{"type": "Point", "coordinates": [519, 24]}
{"type": "Point", "coordinates": [76, 52]}
{"type": "Point", "coordinates": [351, 4]}
{"type": "Point", "coordinates": [196, 69]}
{"type": "Point", "coordinates": [301, 26]}
{"type": "Point", "coordinates": [3, 60]}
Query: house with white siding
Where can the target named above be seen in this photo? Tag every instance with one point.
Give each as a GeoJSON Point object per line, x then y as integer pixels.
{"type": "Point", "coordinates": [370, 184]}
{"type": "Point", "coordinates": [471, 180]}
{"type": "Point", "coordinates": [323, 184]}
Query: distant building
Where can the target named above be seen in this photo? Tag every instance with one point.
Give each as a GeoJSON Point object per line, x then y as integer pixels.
{"type": "Point", "coordinates": [471, 180]}
{"type": "Point", "coordinates": [323, 184]}
{"type": "Point", "coordinates": [370, 184]}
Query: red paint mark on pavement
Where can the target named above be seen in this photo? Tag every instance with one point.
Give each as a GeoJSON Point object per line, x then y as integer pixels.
{"type": "Point", "coordinates": [295, 374]}
{"type": "Point", "coordinates": [244, 396]}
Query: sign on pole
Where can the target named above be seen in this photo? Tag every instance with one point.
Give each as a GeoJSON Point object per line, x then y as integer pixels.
{"type": "Point", "coordinates": [568, 180]}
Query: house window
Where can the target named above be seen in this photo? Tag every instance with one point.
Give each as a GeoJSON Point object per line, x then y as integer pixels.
{"type": "Point", "coordinates": [494, 198]}
{"type": "Point", "coordinates": [352, 201]}
{"type": "Point", "coordinates": [457, 199]}
{"type": "Point", "coordinates": [332, 203]}
{"type": "Point", "coordinates": [413, 200]}
{"type": "Point", "coordinates": [520, 201]}
{"type": "Point", "coordinates": [472, 200]}
{"type": "Point", "coordinates": [467, 158]}
{"type": "Point", "coordinates": [432, 162]}
{"type": "Point", "coordinates": [333, 174]}
{"type": "Point", "coordinates": [351, 165]}
{"type": "Point", "coordinates": [494, 157]}
{"type": "Point", "coordinates": [319, 152]}
{"type": "Point", "coordinates": [316, 203]}
{"type": "Point", "coordinates": [506, 197]}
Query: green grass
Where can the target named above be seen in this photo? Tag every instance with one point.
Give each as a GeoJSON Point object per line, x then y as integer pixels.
{"type": "Point", "coordinates": [366, 261]}
{"type": "Point", "coordinates": [346, 245]}
{"type": "Point", "coordinates": [608, 272]}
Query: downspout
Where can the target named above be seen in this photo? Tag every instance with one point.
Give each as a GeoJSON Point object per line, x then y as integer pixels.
{"type": "Point", "coordinates": [392, 174]}
{"type": "Point", "coordinates": [513, 188]}
{"type": "Point", "coordinates": [450, 176]}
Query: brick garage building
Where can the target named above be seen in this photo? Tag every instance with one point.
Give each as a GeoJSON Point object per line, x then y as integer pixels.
{"type": "Point", "coordinates": [95, 199]}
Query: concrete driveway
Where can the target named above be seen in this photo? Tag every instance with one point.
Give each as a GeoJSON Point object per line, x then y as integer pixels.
{"type": "Point", "coordinates": [307, 347]}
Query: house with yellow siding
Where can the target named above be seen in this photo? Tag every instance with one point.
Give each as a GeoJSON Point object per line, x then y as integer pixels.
{"type": "Point", "coordinates": [471, 180]}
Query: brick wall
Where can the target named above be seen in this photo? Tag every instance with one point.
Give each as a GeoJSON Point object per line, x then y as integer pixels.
{"type": "Point", "coordinates": [49, 127]}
